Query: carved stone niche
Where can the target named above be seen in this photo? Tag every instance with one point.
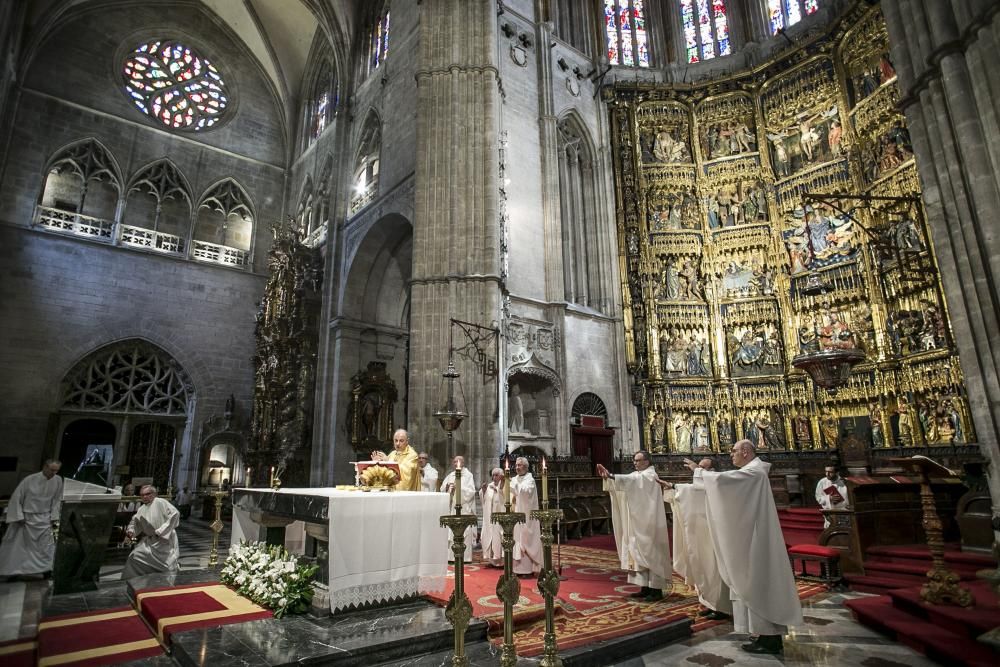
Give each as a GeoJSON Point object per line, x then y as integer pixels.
{"type": "Point", "coordinates": [369, 417]}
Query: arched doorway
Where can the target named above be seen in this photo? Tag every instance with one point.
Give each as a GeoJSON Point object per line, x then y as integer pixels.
{"type": "Point", "coordinates": [87, 451]}
{"type": "Point", "coordinates": [591, 437]}
{"type": "Point", "coordinates": [140, 392]}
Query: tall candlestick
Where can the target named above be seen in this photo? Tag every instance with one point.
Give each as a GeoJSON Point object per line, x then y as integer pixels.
{"type": "Point", "coordinates": [545, 483]}
{"type": "Point", "coordinates": [506, 482]}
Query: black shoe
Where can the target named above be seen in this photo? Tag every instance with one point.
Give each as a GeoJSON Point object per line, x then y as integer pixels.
{"type": "Point", "coordinates": [765, 645]}
{"type": "Point", "coordinates": [642, 593]}
{"type": "Point", "coordinates": [713, 615]}
{"type": "Point", "coordinates": [655, 595]}
{"type": "Point", "coordinates": [706, 612]}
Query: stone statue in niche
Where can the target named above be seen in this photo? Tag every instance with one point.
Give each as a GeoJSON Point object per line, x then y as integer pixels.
{"type": "Point", "coordinates": [667, 147]}
{"type": "Point", "coordinates": [670, 281]}
{"type": "Point", "coordinates": [904, 423]}
{"type": "Point", "coordinates": [803, 432]}
{"type": "Point", "coordinates": [515, 408]}
{"type": "Point", "coordinates": [724, 430]}
{"type": "Point", "coordinates": [877, 430]}
{"type": "Point", "coordinates": [699, 436]}
{"type": "Point", "coordinates": [657, 428]}
{"type": "Point", "coordinates": [829, 426]}
{"type": "Point", "coordinates": [682, 432]}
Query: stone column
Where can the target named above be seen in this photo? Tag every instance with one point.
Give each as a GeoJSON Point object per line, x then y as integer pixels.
{"type": "Point", "coordinates": [456, 257]}
{"type": "Point", "coordinates": [949, 96]}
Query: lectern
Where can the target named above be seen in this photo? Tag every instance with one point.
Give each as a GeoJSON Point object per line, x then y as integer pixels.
{"type": "Point", "coordinates": [942, 586]}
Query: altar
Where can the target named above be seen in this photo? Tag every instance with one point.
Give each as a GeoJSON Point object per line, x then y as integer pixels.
{"type": "Point", "coordinates": [379, 546]}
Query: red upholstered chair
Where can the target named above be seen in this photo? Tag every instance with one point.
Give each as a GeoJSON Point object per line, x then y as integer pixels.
{"type": "Point", "coordinates": [828, 559]}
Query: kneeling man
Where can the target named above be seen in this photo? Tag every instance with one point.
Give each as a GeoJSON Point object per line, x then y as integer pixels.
{"type": "Point", "coordinates": [155, 523]}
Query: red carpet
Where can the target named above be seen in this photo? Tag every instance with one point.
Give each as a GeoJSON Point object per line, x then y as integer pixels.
{"type": "Point", "coordinates": [106, 637]}
{"type": "Point", "coordinates": [891, 567]}
{"type": "Point", "coordinates": [18, 653]}
{"type": "Point", "coordinates": [179, 608]}
{"type": "Point", "coordinates": [592, 604]}
{"type": "Point", "coordinates": [944, 633]}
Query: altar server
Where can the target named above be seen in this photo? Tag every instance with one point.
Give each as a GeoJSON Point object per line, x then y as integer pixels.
{"type": "Point", "coordinates": [28, 546]}
{"type": "Point", "coordinates": [694, 554]}
{"type": "Point", "coordinates": [406, 457]}
{"type": "Point", "coordinates": [527, 535]}
{"type": "Point", "coordinates": [750, 549]}
{"type": "Point", "coordinates": [428, 473]}
{"type": "Point", "coordinates": [640, 526]}
{"type": "Point", "coordinates": [831, 492]}
{"type": "Point", "coordinates": [155, 524]}
{"type": "Point", "coordinates": [468, 496]}
{"type": "Point", "coordinates": [491, 496]}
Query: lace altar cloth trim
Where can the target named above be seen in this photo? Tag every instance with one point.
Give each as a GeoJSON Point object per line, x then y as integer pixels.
{"type": "Point", "coordinates": [383, 592]}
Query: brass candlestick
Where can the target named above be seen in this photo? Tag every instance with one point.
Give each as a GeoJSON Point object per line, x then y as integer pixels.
{"type": "Point", "coordinates": [213, 556]}
{"type": "Point", "coordinates": [508, 586]}
{"type": "Point", "coordinates": [459, 609]}
{"type": "Point", "coordinates": [548, 583]}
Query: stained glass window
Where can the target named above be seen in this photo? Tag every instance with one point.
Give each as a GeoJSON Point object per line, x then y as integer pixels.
{"type": "Point", "coordinates": [783, 13]}
{"type": "Point", "coordinates": [625, 26]}
{"type": "Point", "coordinates": [174, 84]}
{"type": "Point", "coordinates": [706, 29]}
{"type": "Point", "coordinates": [378, 43]}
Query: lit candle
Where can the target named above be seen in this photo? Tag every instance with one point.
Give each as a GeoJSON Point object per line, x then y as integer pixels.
{"type": "Point", "coordinates": [458, 488]}
{"type": "Point", "coordinates": [248, 476]}
{"type": "Point", "coordinates": [506, 482]}
{"type": "Point", "coordinates": [272, 477]}
{"type": "Point", "coordinates": [545, 483]}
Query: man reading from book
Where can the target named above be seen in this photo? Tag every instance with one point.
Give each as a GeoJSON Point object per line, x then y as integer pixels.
{"type": "Point", "coordinates": [831, 491]}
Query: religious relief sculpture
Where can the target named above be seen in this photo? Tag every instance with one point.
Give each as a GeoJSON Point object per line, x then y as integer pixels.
{"type": "Point", "coordinates": [370, 414]}
{"type": "Point", "coordinates": [286, 334]}
{"type": "Point", "coordinates": [738, 200]}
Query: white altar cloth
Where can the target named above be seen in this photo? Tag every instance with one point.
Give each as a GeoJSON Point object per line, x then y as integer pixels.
{"type": "Point", "coordinates": [383, 545]}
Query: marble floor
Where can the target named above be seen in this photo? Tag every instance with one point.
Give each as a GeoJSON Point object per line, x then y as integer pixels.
{"type": "Point", "coordinates": [830, 636]}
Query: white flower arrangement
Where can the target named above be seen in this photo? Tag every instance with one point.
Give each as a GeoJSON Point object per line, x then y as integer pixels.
{"type": "Point", "coordinates": [270, 576]}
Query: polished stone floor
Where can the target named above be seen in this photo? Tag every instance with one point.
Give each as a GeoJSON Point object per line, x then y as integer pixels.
{"type": "Point", "coordinates": [829, 637]}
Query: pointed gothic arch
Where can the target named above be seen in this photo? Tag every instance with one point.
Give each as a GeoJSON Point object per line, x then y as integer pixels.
{"type": "Point", "coordinates": [81, 191]}
{"type": "Point", "coordinates": [157, 210]}
{"type": "Point", "coordinates": [366, 162]}
{"type": "Point", "coordinates": [143, 392]}
{"type": "Point", "coordinates": [586, 256]}
{"type": "Point", "coordinates": [224, 225]}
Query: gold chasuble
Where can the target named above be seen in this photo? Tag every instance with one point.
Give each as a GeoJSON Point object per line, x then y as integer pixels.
{"type": "Point", "coordinates": [409, 469]}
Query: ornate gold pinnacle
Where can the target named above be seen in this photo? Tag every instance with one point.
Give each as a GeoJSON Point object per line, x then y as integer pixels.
{"type": "Point", "coordinates": [508, 586]}
{"type": "Point", "coordinates": [548, 584]}
{"type": "Point", "coordinates": [459, 609]}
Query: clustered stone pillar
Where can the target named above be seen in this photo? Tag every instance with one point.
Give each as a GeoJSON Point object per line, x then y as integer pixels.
{"type": "Point", "coordinates": [944, 52]}
{"type": "Point", "coordinates": [456, 257]}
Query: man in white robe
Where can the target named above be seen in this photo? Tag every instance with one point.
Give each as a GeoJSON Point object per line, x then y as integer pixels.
{"type": "Point", "coordinates": [640, 526]}
{"type": "Point", "coordinates": [428, 473]}
{"type": "Point", "coordinates": [527, 535]}
{"type": "Point", "coordinates": [694, 554]}
{"type": "Point", "coordinates": [468, 496]}
{"type": "Point", "coordinates": [155, 524]}
{"type": "Point", "coordinates": [831, 492]}
{"type": "Point", "coordinates": [491, 496]}
{"type": "Point", "coordinates": [28, 546]}
{"type": "Point", "coordinates": [750, 550]}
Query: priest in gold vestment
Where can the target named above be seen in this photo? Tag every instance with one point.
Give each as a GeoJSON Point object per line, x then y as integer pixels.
{"type": "Point", "coordinates": [406, 457]}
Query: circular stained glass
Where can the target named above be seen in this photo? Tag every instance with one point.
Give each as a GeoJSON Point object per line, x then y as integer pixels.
{"type": "Point", "coordinates": [175, 85]}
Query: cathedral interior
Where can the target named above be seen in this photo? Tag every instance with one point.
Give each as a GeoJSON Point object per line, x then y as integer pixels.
{"type": "Point", "coordinates": [241, 237]}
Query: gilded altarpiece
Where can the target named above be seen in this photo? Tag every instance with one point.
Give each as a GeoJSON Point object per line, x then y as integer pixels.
{"type": "Point", "coordinates": [718, 233]}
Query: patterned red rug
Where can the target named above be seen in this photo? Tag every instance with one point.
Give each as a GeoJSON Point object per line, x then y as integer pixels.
{"type": "Point", "coordinates": [592, 604]}
{"type": "Point", "coordinates": [179, 608]}
{"type": "Point", "coordinates": [106, 637]}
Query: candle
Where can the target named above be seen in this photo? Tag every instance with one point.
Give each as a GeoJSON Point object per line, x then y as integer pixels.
{"type": "Point", "coordinates": [248, 476]}
{"type": "Point", "coordinates": [506, 482]}
{"type": "Point", "coordinates": [458, 488]}
{"type": "Point", "coordinates": [545, 483]}
{"type": "Point", "coordinates": [272, 477]}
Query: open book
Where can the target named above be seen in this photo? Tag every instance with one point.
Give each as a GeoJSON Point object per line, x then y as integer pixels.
{"type": "Point", "coordinates": [920, 463]}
